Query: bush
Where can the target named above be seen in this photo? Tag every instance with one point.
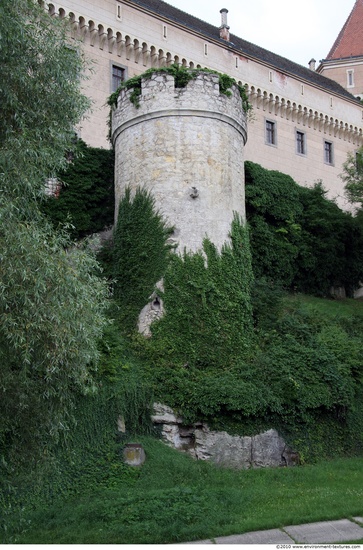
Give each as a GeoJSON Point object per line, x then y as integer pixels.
{"type": "Point", "coordinates": [299, 238]}
{"type": "Point", "coordinates": [140, 254]}
{"type": "Point", "coordinates": [86, 194]}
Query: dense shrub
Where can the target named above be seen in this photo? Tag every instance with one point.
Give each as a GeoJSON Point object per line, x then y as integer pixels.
{"type": "Point", "coordinates": [331, 246]}
{"type": "Point", "coordinates": [299, 238]}
{"type": "Point", "coordinates": [140, 253]}
{"type": "Point", "coordinates": [208, 320]}
{"type": "Point", "coordinates": [86, 194]}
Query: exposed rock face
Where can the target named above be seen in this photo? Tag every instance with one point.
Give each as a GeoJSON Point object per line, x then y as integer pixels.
{"type": "Point", "coordinates": [151, 312]}
{"type": "Point", "coordinates": [267, 449]}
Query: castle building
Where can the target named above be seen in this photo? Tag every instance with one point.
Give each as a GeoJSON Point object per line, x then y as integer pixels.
{"type": "Point", "coordinates": [344, 62]}
{"type": "Point", "coordinates": [303, 123]}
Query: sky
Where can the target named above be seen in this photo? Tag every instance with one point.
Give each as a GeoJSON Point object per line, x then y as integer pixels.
{"type": "Point", "coordinates": [299, 31]}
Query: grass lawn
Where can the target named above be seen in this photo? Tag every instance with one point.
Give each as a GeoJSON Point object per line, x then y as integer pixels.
{"type": "Point", "coordinates": [174, 498]}
{"type": "Point", "coordinates": [331, 308]}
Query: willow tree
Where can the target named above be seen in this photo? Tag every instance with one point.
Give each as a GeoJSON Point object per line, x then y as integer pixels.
{"type": "Point", "coordinates": [52, 301]}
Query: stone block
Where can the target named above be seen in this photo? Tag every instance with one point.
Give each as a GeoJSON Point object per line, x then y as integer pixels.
{"type": "Point", "coordinates": [325, 532]}
{"type": "Point", "coordinates": [267, 449]}
{"type": "Point", "coordinates": [134, 454]}
{"type": "Point", "coordinates": [270, 536]}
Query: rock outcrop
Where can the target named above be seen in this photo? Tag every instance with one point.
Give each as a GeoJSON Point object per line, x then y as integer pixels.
{"type": "Point", "coordinates": [267, 449]}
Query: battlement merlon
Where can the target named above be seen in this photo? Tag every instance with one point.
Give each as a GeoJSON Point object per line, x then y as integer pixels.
{"type": "Point", "coordinates": [159, 98]}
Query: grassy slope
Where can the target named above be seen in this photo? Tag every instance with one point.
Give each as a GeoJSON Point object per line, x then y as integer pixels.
{"type": "Point", "coordinates": [173, 498]}
{"type": "Point", "coordinates": [178, 499]}
{"type": "Point", "coordinates": [332, 308]}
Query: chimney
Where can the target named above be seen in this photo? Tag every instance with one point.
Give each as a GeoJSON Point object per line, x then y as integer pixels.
{"type": "Point", "coordinates": [312, 64]}
{"type": "Point", "coordinates": [224, 28]}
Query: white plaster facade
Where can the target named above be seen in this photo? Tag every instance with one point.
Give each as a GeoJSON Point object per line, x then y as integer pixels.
{"type": "Point", "coordinates": [133, 36]}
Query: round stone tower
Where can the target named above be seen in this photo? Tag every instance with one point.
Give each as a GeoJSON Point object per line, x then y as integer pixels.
{"type": "Point", "coordinates": [184, 145]}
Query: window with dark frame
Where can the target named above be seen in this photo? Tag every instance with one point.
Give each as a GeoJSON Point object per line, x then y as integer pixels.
{"type": "Point", "coordinates": [300, 143]}
{"type": "Point", "coordinates": [118, 76]}
{"type": "Point", "coordinates": [350, 79]}
{"type": "Point", "coordinates": [328, 152]}
{"type": "Point", "coordinates": [270, 132]}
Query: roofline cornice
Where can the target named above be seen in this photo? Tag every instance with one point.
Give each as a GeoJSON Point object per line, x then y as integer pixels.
{"type": "Point", "coordinates": [234, 49]}
{"type": "Point", "coordinates": [338, 61]}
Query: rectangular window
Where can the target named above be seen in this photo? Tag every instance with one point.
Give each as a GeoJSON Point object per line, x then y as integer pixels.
{"type": "Point", "coordinates": [118, 76]}
{"type": "Point", "coordinates": [270, 132]}
{"type": "Point", "coordinates": [165, 31]}
{"type": "Point", "coordinates": [270, 76]}
{"type": "Point", "coordinates": [328, 152]}
{"type": "Point", "coordinates": [118, 12]}
{"type": "Point", "coordinates": [205, 49]}
{"type": "Point", "coordinates": [300, 143]}
{"type": "Point", "coordinates": [350, 79]}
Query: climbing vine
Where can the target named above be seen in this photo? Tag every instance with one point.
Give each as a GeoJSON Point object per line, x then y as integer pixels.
{"type": "Point", "coordinates": [182, 76]}
{"type": "Point", "coordinates": [140, 253]}
{"type": "Point", "coordinates": [207, 299]}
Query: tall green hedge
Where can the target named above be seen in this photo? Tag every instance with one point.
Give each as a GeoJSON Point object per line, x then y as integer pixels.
{"type": "Point", "coordinates": [299, 238]}
{"type": "Point", "coordinates": [207, 300]}
{"type": "Point", "coordinates": [140, 253]}
{"type": "Point", "coordinates": [86, 193]}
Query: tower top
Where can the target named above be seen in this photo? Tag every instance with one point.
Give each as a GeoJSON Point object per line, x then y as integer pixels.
{"type": "Point", "coordinates": [349, 42]}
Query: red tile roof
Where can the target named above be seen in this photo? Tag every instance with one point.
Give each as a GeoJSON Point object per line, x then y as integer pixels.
{"type": "Point", "coordinates": [350, 39]}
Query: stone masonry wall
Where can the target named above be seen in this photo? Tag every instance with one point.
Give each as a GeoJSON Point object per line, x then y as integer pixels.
{"type": "Point", "coordinates": [185, 145]}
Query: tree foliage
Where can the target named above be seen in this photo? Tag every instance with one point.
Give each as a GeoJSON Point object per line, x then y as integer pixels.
{"type": "Point", "coordinates": [51, 315]}
{"type": "Point", "coordinates": [51, 300]}
{"type": "Point", "coordinates": [86, 196]}
{"type": "Point", "coordinates": [299, 238]}
{"type": "Point", "coordinates": [352, 176]}
{"type": "Point", "coordinates": [331, 245]}
{"type": "Point", "coordinates": [39, 96]}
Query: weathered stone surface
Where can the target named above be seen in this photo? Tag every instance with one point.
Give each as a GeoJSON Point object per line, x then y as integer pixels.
{"type": "Point", "coordinates": [151, 312]}
{"type": "Point", "coordinates": [164, 415]}
{"type": "Point", "coordinates": [173, 431]}
{"type": "Point", "coordinates": [271, 536]}
{"type": "Point", "coordinates": [134, 454]}
{"type": "Point", "coordinates": [241, 452]}
{"type": "Point", "coordinates": [121, 427]}
{"type": "Point", "coordinates": [176, 140]}
{"type": "Point", "coordinates": [291, 457]}
{"type": "Point", "coordinates": [267, 450]}
{"type": "Point", "coordinates": [325, 532]}
{"type": "Point", "coordinates": [223, 449]}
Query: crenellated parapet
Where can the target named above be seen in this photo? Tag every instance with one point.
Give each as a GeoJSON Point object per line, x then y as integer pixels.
{"type": "Point", "coordinates": [185, 145]}
{"type": "Point", "coordinates": [161, 98]}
